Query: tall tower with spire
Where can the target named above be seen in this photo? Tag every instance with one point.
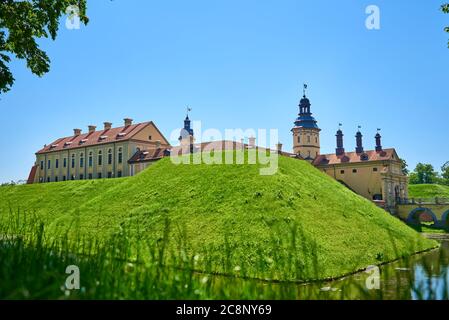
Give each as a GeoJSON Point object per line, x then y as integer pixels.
{"type": "Point", "coordinates": [306, 133]}
{"type": "Point", "coordinates": [186, 138]}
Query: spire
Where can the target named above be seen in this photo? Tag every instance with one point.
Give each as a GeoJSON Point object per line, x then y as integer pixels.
{"type": "Point", "coordinates": [340, 148]}
{"type": "Point", "coordinates": [305, 119]}
{"type": "Point", "coordinates": [359, 141]}
{"type": "Point", "coordinates": [187, 130]}
{"type": "Point", "coordinates": [378, 141]}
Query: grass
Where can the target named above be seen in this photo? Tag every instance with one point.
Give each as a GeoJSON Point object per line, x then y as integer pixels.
{"type": "Point", "coordinates": [297, 225]}
{"type": "Point", "coordinates": [427, 191]}
{"type": "Point", "coordinates": [34, 268]}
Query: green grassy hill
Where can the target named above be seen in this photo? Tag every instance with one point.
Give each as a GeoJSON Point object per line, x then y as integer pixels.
{"type": "Point", "coordinates": [428, 191]}
{"type": "Point", "coordinates": [296, 225]}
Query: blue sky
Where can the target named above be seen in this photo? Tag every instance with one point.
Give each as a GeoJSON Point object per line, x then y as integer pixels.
{"type": "Point", "coordinates": [240, 64]}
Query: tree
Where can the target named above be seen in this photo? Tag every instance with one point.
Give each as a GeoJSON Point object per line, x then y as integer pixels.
{"type": "Point", "coordinates": [423, 174]}
{"type": "Point", "coordinates": [404, 167]}
{"type": "Point", "coordinates": [21, 23]}
{"type": "Point", "coordinates": [445, 173]}
{"type": "Point", "coordinates": [445, 9]}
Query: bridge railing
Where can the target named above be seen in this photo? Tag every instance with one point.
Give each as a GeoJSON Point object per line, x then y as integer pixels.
{"type": "Point", "coordinates": [420, 201]}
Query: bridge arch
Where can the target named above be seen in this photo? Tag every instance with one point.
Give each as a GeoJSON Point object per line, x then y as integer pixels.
{"type": "Point", "coordinates": [445, 219]}
{"type": "Point", "coordinates": [413, 216]}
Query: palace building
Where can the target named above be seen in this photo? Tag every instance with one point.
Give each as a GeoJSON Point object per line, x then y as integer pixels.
{"type": "Point", "coordinates": [374, 174]}
{"type": "Point", "coordinates": [106, 153]}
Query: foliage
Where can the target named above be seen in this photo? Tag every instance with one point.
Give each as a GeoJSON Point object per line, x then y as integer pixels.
{"type": "Point", "coordinates": [299, 217]}
{"type": "Point", "coordinates": [21, 23]}
{"type": "Point", "coordinates": [423, 174]}
{"type": "Point", "coordinates": [404, 167]}
{"type": "Point", "coordinates": [445, 173]}
{"type": "Point", "coordinates": [445, 9]}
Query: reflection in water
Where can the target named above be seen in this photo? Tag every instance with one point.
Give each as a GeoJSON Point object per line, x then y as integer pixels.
{"type": "Point", "coordinates": [423, 276]}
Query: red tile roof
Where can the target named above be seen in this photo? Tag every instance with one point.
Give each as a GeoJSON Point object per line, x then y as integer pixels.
{"type": "Point", "coordinates": [353, 157]}
{"type": "Point", "coordinates": [223, 145]}
{"type": "Point", "coordinates": [32, 175]}
{"type": "Point", "coordinates": [149, 155]}
{"type": "Point", "coordinates": [95, 138]}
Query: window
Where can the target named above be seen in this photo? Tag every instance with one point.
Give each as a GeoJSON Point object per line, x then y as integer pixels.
{"type": "Point", "coordinates": [100, 158]}
{"type": "Point", "coordinates": [99, 175]}
{"type": "Point", "coordinates": [119, 174]}
{"type": "Point", "coordinates": [308, 138]}
{"type": "Point", "coordinates": [375, 169]}
{"type": "Point", "coordinates": [90, 176]}
{"type": "Point", "coordinates": [57, 164]}
{"type": "Point", "coordinates": [110, 156]}
{"type": "Point", "coordinates": [109, 175]}
{"type": "Point", "coordinates": [56, 179]}
{"type": "Point", "coordinates": [48, 179]}
{"type": "Point", "coordinates": [81, 176]}
{"type": "Point", "coordinates": [316, 139]}
{"type": "Point", "coordinates": [82, 160]}
{"type": "Point", "coordinates": [150, 138]}
{"type": "Point", "coordinates": [342, 172]}
{"type": "Point", "coordinates": [120, 155]}
{"type": "Point", "coordinates": [91, 159]}
{"type": "Point", "coordinates": [41, 180]}
{"type": "Point", "coordinates": [73, 161]}
{"type": "Point", "coordinates": [49, 164]}
{"type": "Point", "coordinates": [64, 178]}
{"type": "Point", "coordinates": [354, 170]}
{"type": "Point", "coordinates": [299, 139]}
{"type": "Point", "coordinates": [73, 177]}
{"type": "Point", "coordinates": [65, 162]}
{"type": "Point", "coordinates": [42, 165]}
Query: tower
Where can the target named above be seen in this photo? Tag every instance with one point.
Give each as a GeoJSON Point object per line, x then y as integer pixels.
{"type": "Point", "coordinates": [186, 138]}
{"type": "Point", "coordinates": [340, 150]}
{"type": "Point", "coordinates": [306, 134]}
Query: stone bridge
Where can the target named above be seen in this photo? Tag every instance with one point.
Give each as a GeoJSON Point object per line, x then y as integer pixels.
{"type": "Point", "coordinates": [417, 211]}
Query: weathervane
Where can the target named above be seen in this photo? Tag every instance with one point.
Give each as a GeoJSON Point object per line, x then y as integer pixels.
{"type": "Point", "coordinates": [339, 126]}
{"type": "Point", "coordinates": [378, 130]}
{"type": "Point", "coordinates": [305, 88]}
{"type": "Point", "coordinates": [188, 110]}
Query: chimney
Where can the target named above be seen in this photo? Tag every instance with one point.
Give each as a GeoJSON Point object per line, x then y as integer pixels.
{"type": "Point", "coordinates": [77, 132]}
{"type": "Point", "coordinates": [340, 148]}
{"type": "Point", "coordinates": [107, 125]}
{"type": "Point", "coordinates": [359, 142]}
{"type": "Point", "coordinates": [128, 122]}
{"type": "Point", "coordinates": [279, 147]}
{"type": "Point", "coordinates": [252, 142]}
{"type": "Point", "coordinates": [92, 129]}
{"type": "Point", "coordinates": [378, 142]}
{"type": "Point", "coordinates": [158, 144]}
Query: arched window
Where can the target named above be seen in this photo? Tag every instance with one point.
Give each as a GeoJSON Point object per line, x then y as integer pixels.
{"type": "Point", "coordinates": [120, 155]}
{"type": "Point", "coordinates": [82, 160]}
{"type": "Point", "coordinates": [308, 138]}
{"type": "Point", "coordinates": [110, 156]}
{"type": "Point", "coordinates": [100, 158]}
{"type": "Point", "coordinates": [91, 159]}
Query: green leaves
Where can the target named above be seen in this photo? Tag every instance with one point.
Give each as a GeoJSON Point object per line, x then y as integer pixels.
{"type": "Point", "coordinates": [445, 9]}
{"type": "Point", "coordinates": [21, 23]}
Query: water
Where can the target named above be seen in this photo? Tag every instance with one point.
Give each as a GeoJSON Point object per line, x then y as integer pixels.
{"type": "Point", "coordinates": [423, 276]}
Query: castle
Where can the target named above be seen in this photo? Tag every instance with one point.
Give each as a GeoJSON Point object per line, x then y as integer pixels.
{"type": "Point", "coordinates": [126, 150]}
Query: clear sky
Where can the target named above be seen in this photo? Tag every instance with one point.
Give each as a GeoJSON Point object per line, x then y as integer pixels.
{"type": "Point", "coordinates": [240, 64]}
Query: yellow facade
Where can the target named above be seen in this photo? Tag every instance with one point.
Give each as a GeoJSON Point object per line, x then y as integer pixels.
{"type": "Point", "coordinates": [102, 160]}
{"type": "Point", "coordinates": [374, 180]}
{"type": "Point", "coordinates": [306, 142]}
